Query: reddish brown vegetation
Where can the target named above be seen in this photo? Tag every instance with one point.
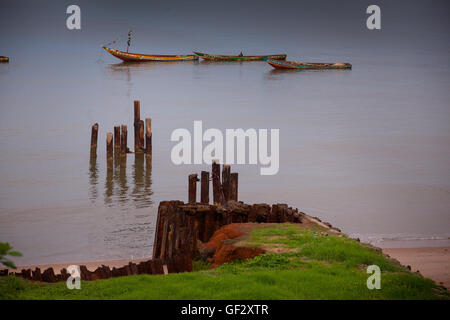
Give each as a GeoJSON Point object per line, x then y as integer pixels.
{"type": "Point", "coordinates": [227, 251]}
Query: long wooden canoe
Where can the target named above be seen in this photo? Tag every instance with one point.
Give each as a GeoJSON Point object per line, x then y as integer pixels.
{"type": "Point", "coordinates": [137, 57]}
{"type": "Point", "coordinates": [214, 57]}
{"type": "Point", "coordinates": [4, 59]}
{"type": "Point", "coordinates": [307, 65]}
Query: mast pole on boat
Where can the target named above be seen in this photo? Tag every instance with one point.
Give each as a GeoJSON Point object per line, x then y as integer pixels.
{"type": "Point", "coordinates": [129, 39]}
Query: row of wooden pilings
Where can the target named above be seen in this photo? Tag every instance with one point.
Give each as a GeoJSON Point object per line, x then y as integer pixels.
{"type": "Point", "coordinates": [223, 191]}
{"type": "Point", "coordinates": [180, 263]}
{"type": "Point", "coordinates": [117, 144]}
{"type": "Point", "coordinates": [180, 225]}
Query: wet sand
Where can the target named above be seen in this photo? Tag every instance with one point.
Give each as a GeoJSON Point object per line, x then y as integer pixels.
{"type": "Point", "coordinates": [433, 263]}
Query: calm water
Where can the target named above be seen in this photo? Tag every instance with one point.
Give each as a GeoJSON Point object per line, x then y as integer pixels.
{"type": "Point", "coordinates": [366, 149]}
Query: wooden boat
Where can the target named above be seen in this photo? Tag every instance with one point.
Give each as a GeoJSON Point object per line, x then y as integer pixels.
{"type": "Point", "coordinates": [137, 57]}
{"type": "Point", "coordinates": [240, 57]}
{"type": "Point", "coordinates": [307, 65]}
{"type": "Point", "coordinates": [4, 59]}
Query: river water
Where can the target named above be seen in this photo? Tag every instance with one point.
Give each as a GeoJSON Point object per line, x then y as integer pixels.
{"type": "Point", "coordinates": [366, 149]}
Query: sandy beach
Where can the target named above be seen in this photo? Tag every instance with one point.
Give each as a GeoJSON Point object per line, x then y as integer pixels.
{"type": "Point", "coordinates": [433, 263]}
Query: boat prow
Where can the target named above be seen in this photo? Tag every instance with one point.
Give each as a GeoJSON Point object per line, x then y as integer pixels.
{"type": "Point", "coordinates": [138, 57]}
{"type": "Point", "coordinates": [283, 65]}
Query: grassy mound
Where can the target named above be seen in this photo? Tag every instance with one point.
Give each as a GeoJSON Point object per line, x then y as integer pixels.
{"type": "Point", "coordinates": [301, 263]}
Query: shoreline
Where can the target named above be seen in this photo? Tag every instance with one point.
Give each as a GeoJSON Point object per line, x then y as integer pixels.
{"type": "Point", "coordinates": [431, 262]}
{"type": "Point", "coordinates": [90, 265]}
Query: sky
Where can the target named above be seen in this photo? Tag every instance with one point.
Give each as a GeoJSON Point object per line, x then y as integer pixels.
{"type": "Point", "coordinates": [224, 24]}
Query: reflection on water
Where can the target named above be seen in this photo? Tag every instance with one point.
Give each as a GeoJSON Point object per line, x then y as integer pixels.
{"type": "Point", "coordinates": [279, 74]}
{"type": "Point", "coordinates": [126, 67]}
{"type": "Point", "coordinates": [93, 179]}
{"type": "Point", "coordinates": [121, 190]}
{"type": "Point", "coordinates": [123, 71]}
{"type": "Point", "coordinates": [142, 180]}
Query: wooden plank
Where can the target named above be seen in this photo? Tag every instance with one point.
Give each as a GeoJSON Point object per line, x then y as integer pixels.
{"type": "Point", "coordinates": [204, 191]}
{"type": "Point", "coordinates": [109, 146]}
{"type": "Point", "coordinates": [148, 136]}
{"type": "Point", "coordinates": [141, 136]}
{"type": "Point", "coordinates": [116, 138]}
{"type": "Point", "coordinates": [226, 182]}
{"type": "Point", "coordinates": [192, 190]}
{"type": "Point", "coordinates": [137, 118]}
{"type": "Point", "coordinates": [234, 186]}
{"type": "Point", "coordinates": [164, 236]}
{"type": "Point", "coordinates": [217, 189]}
{"type": "Point", "coordinates": [123, 140]}
{"type": "Point", "coordinates": [94, 138]}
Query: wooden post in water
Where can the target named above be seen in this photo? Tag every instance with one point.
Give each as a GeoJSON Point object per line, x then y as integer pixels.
{"type": "Point", "coordinates": [204, 190]}
{"type": "Point", "coordinates": [94, 138]}
{"type": "Point", "coordinates": [148, 136]}
{"type": "Point", "coordinates": [234, 186]}
{"type": "Point", "coordinates": [109, 146]}
{"type": "Point", "coordinates": [192, 188]}
{"type": "Point", "coordinates": [141, 135]}
{"type": "Point", "coordinates": [226, 182]}
{"type": "Point", "coordinates": [217, 190]}
{"type": "Point", "coordinates": [137, 118]}
{"type": "Point", "coordinates": [116, 138]}
{"type": "Point", "coordinates": [123, 140]}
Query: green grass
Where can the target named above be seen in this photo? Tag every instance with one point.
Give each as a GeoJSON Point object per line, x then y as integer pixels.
{"type": "Point", "coordinates": [315, 267]}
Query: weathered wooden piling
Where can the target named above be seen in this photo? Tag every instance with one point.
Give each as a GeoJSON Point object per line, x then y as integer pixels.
{"type": "Point", "coordinates": [123, 140]}
{"type": "Point", "coordinates": [137, 118]}
{"type": "Point", "coordinates": [109, 146]}
{"type": "Point", "coordinates": [192, 193]}
{"type": "Point", "coordinates": [204, 189]}
{"type": "Point", "coordinates": [49, 275]}
{"type": "Point", "coordinates": [234, 186]}
{"type": "Point", "coordinates": [226, 182]}
{"type": "Point", "coordinates": [117, 138]}
{"type": "Point", "coordinates": [148, 136]}
{"type": "Point", "coordinates": [141, 136]}
{"type": "Point", "coordinates": [94, 138]}
{"type": "Point", "coordinates": [37, 275]}
{"type": "Point", "coordinates": [217, 188]}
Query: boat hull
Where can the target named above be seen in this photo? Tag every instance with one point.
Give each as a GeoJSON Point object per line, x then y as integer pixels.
{"type": "Point", "coordinates": [212, 57]}
{"type": "Point", "coordinates": [286, 65]}
{"type": "Point", "coordinates": [137, 57]}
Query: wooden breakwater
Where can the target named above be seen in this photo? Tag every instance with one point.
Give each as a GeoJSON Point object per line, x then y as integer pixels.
{"type": "Point", "coordinates": [181, 225]}
{"type": "Point", "coordinates": [153, 266]}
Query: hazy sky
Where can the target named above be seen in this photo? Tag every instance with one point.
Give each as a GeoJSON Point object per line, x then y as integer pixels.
{"type": "Point", "coordinates": [421, 24]}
